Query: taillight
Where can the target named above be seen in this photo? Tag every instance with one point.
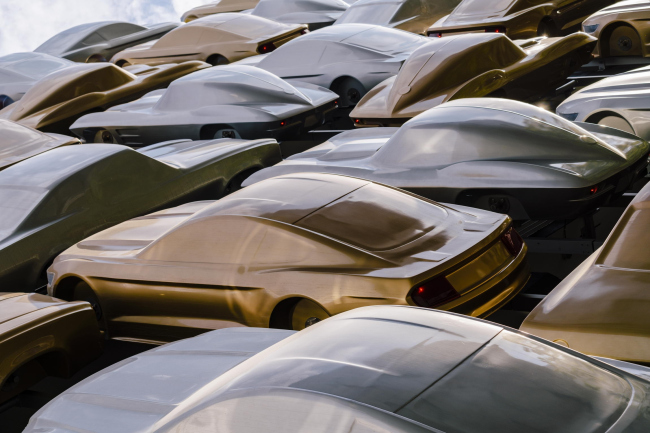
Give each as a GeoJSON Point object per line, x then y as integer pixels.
{"type": "Point", "coordinates": [513, 241]}
{"type": "Point", "coordinates": [266, 48]}
{"type": "Point", "coordinates": [435, 35]}
{"type": "Point", "coordinates": [304, 31]}
{"type": "Point", "coordinates": [495, 30]}
{"type": "Point", "coordinates": [593, 190]}
{"type": "Point", "coordinates": [434, 293]}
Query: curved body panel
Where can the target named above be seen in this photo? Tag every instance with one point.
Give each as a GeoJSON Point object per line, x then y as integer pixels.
{"type": "Point", "coordinates": [286, 240]}
{"type": "Point", "coordinates": [496, 154]}
{"type": "Point", "coordinates": [217, 39]}
{"type": "Point", "coordinates": [414, 16]}
{"type": "Point", "coordinates": [598, 309]}
{"type": "Point", "coordinates": [440, 71]}
{"type": "Point", "coordinates": [218, 7]}
{"type": "Point", "coordinates": [519, 19]}
{"type": "Point", "coordinates": [379, 369]}
{"type": "Point", "coordinates": [98, 42]}
{"type": "Point", "coordinates": [314, 13]}
{"type": "Point", "coordinates": [231, 101]}
{"type": "Point", "coordinates": [57, 100]}
{"type": "Point", "coordinates": [632, 14]}
{"type": "Point", "coordinates": [42, 336]}
{"type": "Point", "coordinates": [52, 200]}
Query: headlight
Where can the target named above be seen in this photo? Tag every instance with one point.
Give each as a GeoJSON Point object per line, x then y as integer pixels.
{"type": "Point", "coordinates": [569, 116]}
{"type": "Point", "coordinates": [590, 29]}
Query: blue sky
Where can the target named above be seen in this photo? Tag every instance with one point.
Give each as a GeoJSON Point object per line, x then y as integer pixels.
{"type": "Point", "coordinates": [28, 23]}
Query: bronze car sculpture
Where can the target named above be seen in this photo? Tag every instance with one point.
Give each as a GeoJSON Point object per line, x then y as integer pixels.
{"type": "Point", "coordinates": [218, 7]}
{"type": "Point", "coordinates": [518, 19]}
{"type": "Point", "coordinates": [42, 336]}
{"type": "Point", "coordinates": [473, 65]}
{"type": "Point", "coordinates": [291, 250]}
{"type": "Point", "coordinates": [621, 29]}
{"type": "Point", "coordinates": [495, 154]}
{"type": "Point", "coordinates": [374, 369]}
{"type": "Point", "coordinates": [55, 199]}
{"type": "Point", "coordinates": [60, 98]}
{"type": "Point", "coordinates": [230, 101]}
{"type": "Point", "coordinates": [599, 308]}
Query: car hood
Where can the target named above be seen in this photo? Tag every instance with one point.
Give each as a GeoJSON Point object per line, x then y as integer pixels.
{"type": "Point", "coordinates": [627, 7]}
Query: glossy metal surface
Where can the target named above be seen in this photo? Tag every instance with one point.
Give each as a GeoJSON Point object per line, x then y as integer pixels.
{"type": "Point", "coordinates": [375, 369]}
{"type": "Point", "coordinates": [18, 142]}
{"type": "Point", "coordinates": [344, 58]}
{"type": "Point", "coordinates": [20, 71]}
{"type": "Point", "coordinates": [473, 65]}
{"type": "Point", "coordinates": [476, 152]}
{"type": "Point", "coordinates": [218, 7]}
{"type": "Point", "coordinates": [624, 97]}
{"type": "Point", "coordinates": [225, 101]}
{"type": "Point", "coordinates": [599, 309]}
{"type": "Point", "coordinates": [632, 14]}
{"type": "Point", "coordinates": [315, 13]}
{"type": "Point", "coordinates": [336, 241]}
{"type": "Point", "coordinates": [52, 200]}
{"type": "Point", "coordinates": [98, 42]}
{"type": "Point", "coordinates": [42, 336]}
{"type": "Point", "coordinates": [520, 19]}
{"type": "Point", "coordinates": [411, 15]}
{"type": "Point", "coordinates": [232, 36]}
{"type": "Point", "coordinates": [57, 100]}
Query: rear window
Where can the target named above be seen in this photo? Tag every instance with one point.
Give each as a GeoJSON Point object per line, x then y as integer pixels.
{"type": "Point", "coordinates": [16, 134]}
{"type": "Point", "coordinates": [385, 40]}
{"type": "Point", "coordinates": [483, 7]}
{"type": "Point", "coordinates": [370, 14]}
{"type": "Point", "coordinates": [628, 248]}
{"type": "Point", "coordinates": [37, 68]}
{"type": "Point", "coordinates": [16, 203]}
{"type": "Point", "coordinates": [375, 218]}
{"type": "Point", "coordinates": [251, 27]}
{"type": "Point", "coordinates": [64, 40]}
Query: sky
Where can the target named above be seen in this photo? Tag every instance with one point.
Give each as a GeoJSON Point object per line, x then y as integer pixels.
{"type": "Point", "coordinates": [26, 24]}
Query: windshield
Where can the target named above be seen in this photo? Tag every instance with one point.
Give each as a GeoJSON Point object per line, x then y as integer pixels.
{"type": "Point", "coordinates": [628, 246]}
{"type": "Point", "coordinates": [370, 14]}
{"type": "Point", "coordinates": [63, 41]}
{"type": "Point", "coordinates": [16, 203]}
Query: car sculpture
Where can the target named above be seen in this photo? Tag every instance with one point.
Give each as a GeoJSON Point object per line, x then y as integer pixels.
{"type": "Point", "coordinates": [217, 7]}
{"type": "Point", "coordinates": [98, 42]}
{"type": "Point", "coordinates": [439, 72]}
{"type": "Point", "coordinates": [497, 154]}
{"type": "Point", "coordinates": [348, 59]}
{"type": "Point", "coordinates": [55, 199]}
{"type": "Point", "coordinates": [621, 29]}
{"type": "Point", "coordinates": [42, 336]}
{"type": "Point", "coordinates": [291, 251]}
{"type": "Point", "coordinates": [374, 369]}
{"type": "Point", "coordinates": [620, 101]}
{"type": "Point", "coordinates": [230, 101]}
{"type": "Point", "coordinates": [314, 13]}
{"type": "Point", "coordinates": [598, 308]}
{"type": "Point", "coordinates": [216, 39]}
{"type": "Point", "coordinates": [519, 19]}
{"type": "Point", "coordinates": [20, 71]}
{"type": "Point", "coordinates": [60, 98]}
{"type": "Point", "coordinates": [411, 15]}
{"type": "Point", "coordinates": [18, 142]}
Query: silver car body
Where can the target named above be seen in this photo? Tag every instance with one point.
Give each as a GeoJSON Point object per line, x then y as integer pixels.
{"type": "Point", "coordinates": [315, 13]}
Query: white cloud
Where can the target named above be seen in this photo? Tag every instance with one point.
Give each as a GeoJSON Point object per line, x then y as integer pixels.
{"type": "Point", "coordinates": [28, 23]}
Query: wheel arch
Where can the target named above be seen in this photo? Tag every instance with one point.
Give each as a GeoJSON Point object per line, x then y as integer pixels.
{"type": "Point", "coordinates": [281, 316]}
{"type": "Point", "coordinates": [597, 116]}
{"type": "Point", "coordinates": [606, 34]}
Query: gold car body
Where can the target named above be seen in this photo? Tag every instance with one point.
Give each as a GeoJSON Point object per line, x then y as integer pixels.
{"type": "Point", "coordinates": [42, 336]}
{"type": "Point", "coordinates": [233, 36]}
{"type": "Point", "coordinates": [60, 98]}
{"type": "Point", "coordinates": [218, 7]}
{"type": "Point", "coordinates": [247, 259]}
{"type": "Point", "coordinates": [468, 66]}
{"type": "Point", "coordinates": [625, 21]}
{"type": "Point", "coordinates": [600, 309]}
{"type": "Point", "coordinates": [18, 142]}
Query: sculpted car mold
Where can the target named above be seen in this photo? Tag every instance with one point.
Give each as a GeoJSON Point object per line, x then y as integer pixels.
{"type": "Point", "coordinates": [42, 336]}
{"type": "Point", "coordinates": [232, 101]}
{"type": "Point", "coordinates": [621, 29]}
{"type": "Point", "coordinates": [497, 154]}
{"type": "Point", "coordinates": [20, 71]}
{"type": "Point", "coordinates": [60, 98]}
{"type": "Point", "coordinates": [314, 13]}
{"type": "Point", "coordinates": [519, 19]}
{"type": "Point", "coordinates": [349, 59]}
{"type": "Point", "coordinates": [374, 369]}
{"type": "Point", "coordinates": [18, 142]}
{"type": "Point", "coordinates": [598, 309]}
{"type": "Point", "coordinates": [217, 39]}
{"type": "Point", "coordinates": [473, 65]}
{"type": "Point", "coordinates": [292, 250]}
{"type": "Point", "coordinates": [621, 102]}
{"type": "Point", "coordinates": [217, 7]}
{"type": "Point", "coordinates": [52, 200]}
{"type": "Point", "coordinates": [98, 42]}
{"type": "Point", "coordinates": [411, 15]}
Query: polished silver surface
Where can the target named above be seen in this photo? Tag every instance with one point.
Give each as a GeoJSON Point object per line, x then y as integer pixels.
{"type": "Point", "coordinates": [314, 13]}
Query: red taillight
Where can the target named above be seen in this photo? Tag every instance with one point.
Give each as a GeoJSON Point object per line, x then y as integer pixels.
{"type": "Point", "coordinates": [513, 241]}
{"type": "Point", "coordinates": [304, 31]}
{"type": "Point", "coordinates": [357, 121]}
{"type": "Point", "coordinates": [283, 123]}
{"type": "Point", "coordinates": [266, 48]}
{"type": "Point", "coordinates": [434, 293]}
{"type": "Point", "coordinates": [495, 30]}
{"type": "Point", "coordinates": [593, 190]}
